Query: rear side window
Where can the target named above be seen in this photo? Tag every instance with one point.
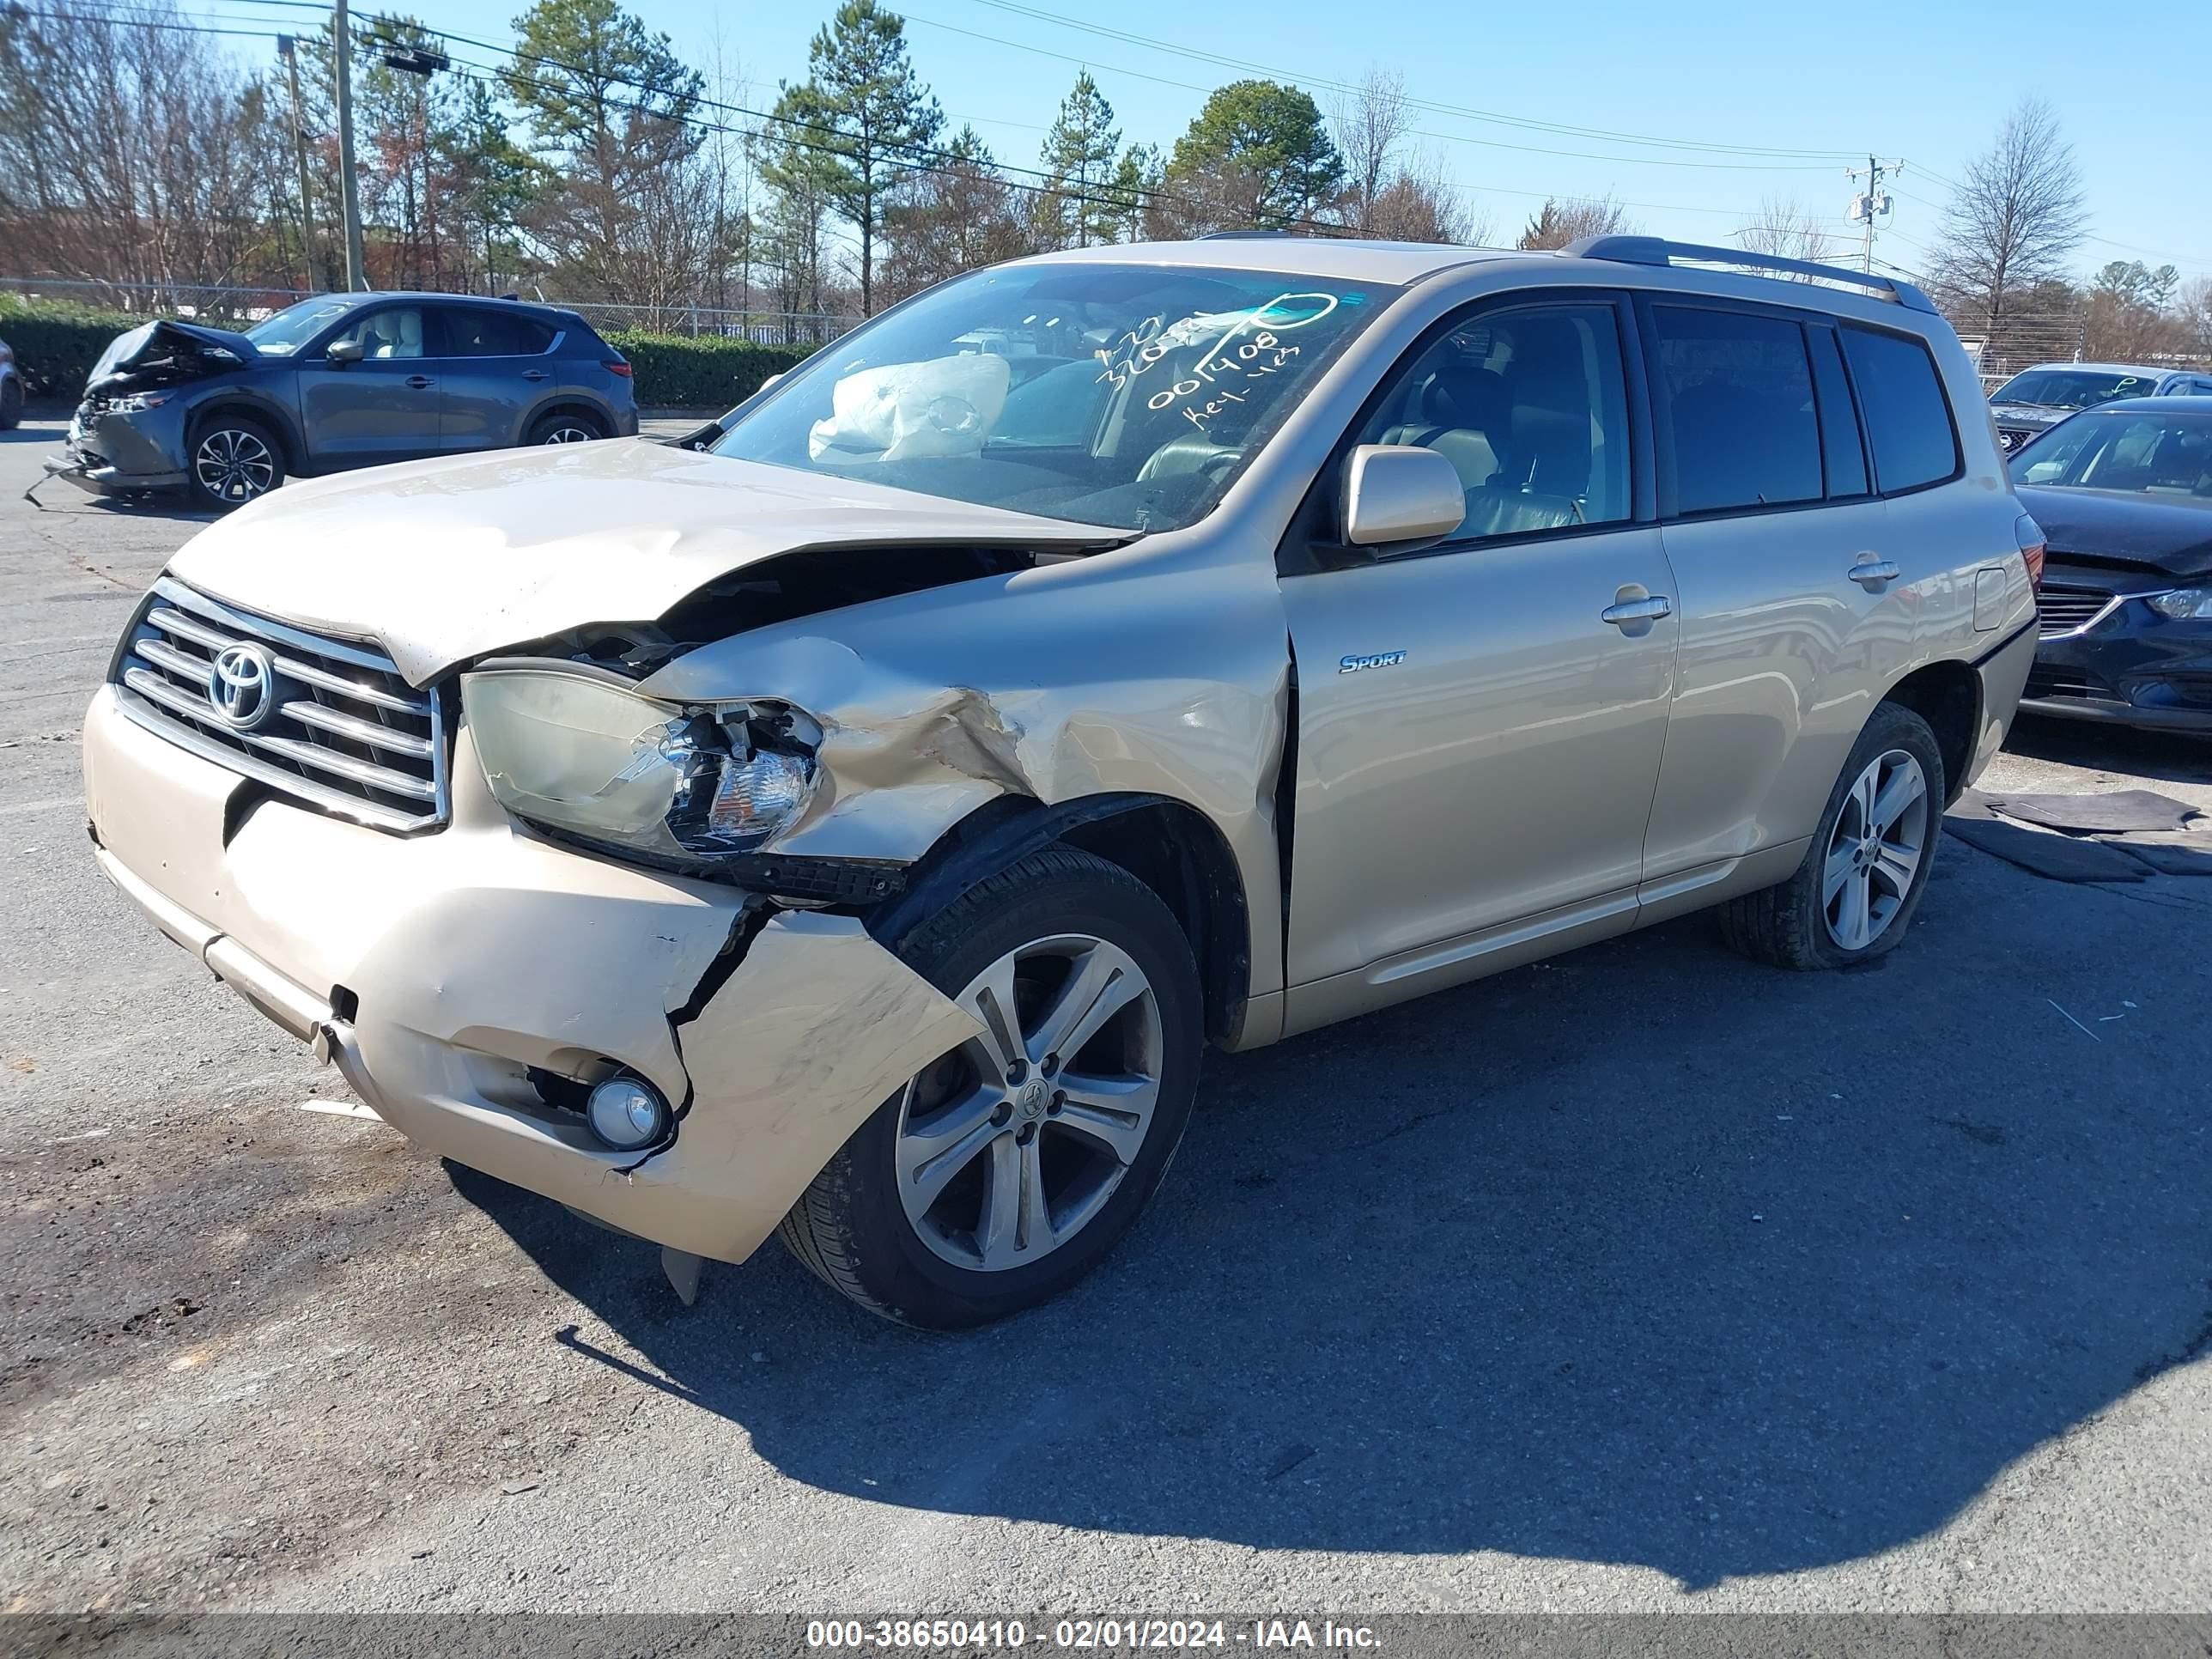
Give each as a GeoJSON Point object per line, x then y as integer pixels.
{"type": "Point", "coordinates": [480, 331]}
{"type": "Point", "coordinates": [1739, 395]}
{"type": "Point", "coordinates": [1907, 418]}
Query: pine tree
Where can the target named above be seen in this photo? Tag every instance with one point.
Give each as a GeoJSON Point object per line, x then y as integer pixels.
{"type": "Point", "coordinates": [868, 115]}
{"type": "Point", "coordinates": [1078, 163]}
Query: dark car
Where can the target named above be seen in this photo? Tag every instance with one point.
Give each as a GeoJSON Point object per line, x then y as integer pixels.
{"type": "Point", "coordinates": [11, 390]}
{"type": "Point", "coordinates": [345, 380]}
{"type": "Point", "coordinates": [2123, 492]}
{"type": "Point", "coordinates": [2036, 399]}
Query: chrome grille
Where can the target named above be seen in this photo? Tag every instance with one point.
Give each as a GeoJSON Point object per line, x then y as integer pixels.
{"type": "Point", "coordinates": [2062, 610]}
{"type": "Point", "coordinates": [329, 722]}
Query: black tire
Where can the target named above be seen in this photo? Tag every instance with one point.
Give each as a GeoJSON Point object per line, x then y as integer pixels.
{"type": "Point", "coordinates": [558, 428]}
{"type": "Point", "coordinates": [11, 404]}
{"type": "Point", "coordinates": [232, 459]}
{"type": "Point", "coordinates": [1788, 925]}
{"type": "Point", "coordinates": [850, 1228]}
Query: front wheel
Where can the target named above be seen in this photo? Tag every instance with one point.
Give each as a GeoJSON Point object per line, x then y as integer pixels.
{"type": "Point", "coordinates": [1862, 876]}
{"type": "Point", "coordinates": [234, 461]}
{"type": "Point", "coordinates": [1006, 1170]}
{"type": "Point", "coordinates": [563, 430]}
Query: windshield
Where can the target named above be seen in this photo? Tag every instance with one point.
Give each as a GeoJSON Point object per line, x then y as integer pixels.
{"type": "Point", "coordinates": [2073, 388]}
{"type": "Point", "coordinates": [294, 326]}
{"type": "Point", "coordinates": [2162, 455]}
{"type": "Point", "coordinates": [1121, 395]}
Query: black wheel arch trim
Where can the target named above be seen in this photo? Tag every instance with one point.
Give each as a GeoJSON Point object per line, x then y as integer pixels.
{"type": "Point", "coordinates": [1004, 832]}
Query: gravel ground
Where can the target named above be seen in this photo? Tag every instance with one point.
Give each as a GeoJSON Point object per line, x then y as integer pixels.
{"type": "Point", "coordinates": [1643, 1278]}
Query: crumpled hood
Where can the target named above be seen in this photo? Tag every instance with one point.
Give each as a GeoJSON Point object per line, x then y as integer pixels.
{"type": "Point", "coordinates": [2170, 534]}
{"type": "Point", "coordinates": [192, 349]}
{"type": "Point", "coordinates": [441, 561]}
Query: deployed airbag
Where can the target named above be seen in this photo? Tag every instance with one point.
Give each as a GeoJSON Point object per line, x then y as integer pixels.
{"type": "Point", "coordinates": [904, 411]}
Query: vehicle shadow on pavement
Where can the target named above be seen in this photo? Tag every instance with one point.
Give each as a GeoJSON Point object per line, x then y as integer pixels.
{"type": "Point", "coordinates": [2174, 758]}
{"type": "Point", "coordinates": [1645, 1256]}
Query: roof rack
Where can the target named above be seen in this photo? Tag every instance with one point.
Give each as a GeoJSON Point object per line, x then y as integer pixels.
{"type": "Point", "coordinates": [1246, 235]}
{"type": "Point", "coordinates": [1657, 251]}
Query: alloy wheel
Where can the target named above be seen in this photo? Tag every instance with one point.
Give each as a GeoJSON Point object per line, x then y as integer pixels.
{"type": "Point", "coordinates": [569, 434]}
{"type": "Point", "coordinates": [1011, 1145]}
{"type": "Point", "coordinates": [1874, 850]}
{"type": "Point", "coordinates": [233, 465]}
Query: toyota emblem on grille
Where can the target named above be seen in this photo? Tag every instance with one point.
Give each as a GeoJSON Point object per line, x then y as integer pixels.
{"type": "Point", "coordinates": [243, 687]}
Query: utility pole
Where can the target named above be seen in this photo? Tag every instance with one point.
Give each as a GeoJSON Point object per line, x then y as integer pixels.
{"type": "Point", "coordinates": [348, 188]}
{"type": "Point", "coordinates": [1872, 203]}
{"type": "Point", "coordinates": [288, 50]}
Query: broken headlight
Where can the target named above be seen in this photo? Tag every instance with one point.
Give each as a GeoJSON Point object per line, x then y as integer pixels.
{"type": "Point", "coordinates": [581, 751]}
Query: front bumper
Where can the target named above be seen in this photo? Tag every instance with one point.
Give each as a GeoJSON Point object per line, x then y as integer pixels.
{"type": "Point", "coordinates": [437, 970]}
{"type": "Point", "coordinates": [2132, 667]}
{"type": "Point", "coordinates": [110, 454]}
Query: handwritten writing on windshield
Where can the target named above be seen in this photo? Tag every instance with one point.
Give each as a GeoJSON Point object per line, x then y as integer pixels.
{"type": "Point", "coordinates": [1248, 347]}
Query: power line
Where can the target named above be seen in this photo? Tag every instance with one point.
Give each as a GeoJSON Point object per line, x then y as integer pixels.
{"type": "Point", "coordinates": [1221, 60]}
{"type": "Point", "coordinates": [1442, 138]}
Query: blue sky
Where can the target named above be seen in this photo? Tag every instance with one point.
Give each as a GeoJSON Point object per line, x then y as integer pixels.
{"type": "Point", "coordinates": [1928, 83]}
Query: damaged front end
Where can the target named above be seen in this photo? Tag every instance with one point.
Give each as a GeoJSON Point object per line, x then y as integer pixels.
{"type": "Point", "coordinates": [125, 433]}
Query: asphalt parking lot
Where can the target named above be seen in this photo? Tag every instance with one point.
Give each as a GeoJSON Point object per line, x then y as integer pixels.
{"type": "Point", "coordinates": [1640, 1278]}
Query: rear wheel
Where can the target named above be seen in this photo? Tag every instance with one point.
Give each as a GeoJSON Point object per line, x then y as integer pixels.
{"type": "Point", "coordinates": [1862, 876]}
{"type": "Point", "coordinates": [1006, 1170]}
{"type": "Point", "coordinates": [564, 428]}
{"type": "Point", "coordinates": [235, 461]}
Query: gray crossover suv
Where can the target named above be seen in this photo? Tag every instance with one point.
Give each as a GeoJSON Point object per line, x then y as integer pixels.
{"type": "Point", "coordinates": [858, 829]}
{"type": "Point", "coordinates": [345, 380]}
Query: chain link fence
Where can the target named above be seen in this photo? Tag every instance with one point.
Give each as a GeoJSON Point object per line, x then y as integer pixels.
{"type": "Point", "coordinates": [239, 307]}
{"type": "Point", "coordinates": [2020, 342]}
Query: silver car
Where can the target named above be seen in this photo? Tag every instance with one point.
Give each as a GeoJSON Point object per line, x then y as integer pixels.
{"type": "Point", "coordinates": [857, 831]}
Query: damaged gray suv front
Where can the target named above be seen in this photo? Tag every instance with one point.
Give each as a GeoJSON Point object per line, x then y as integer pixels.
{"type": "Point", "coordinates": [858, 831]}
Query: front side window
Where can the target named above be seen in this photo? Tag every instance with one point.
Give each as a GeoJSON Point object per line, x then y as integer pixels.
{"type": "Point", "coordinates": [281, 335]}
{"type": "Point", "coordinates": [1738, 391]}
{"type": "Point", "coordinates": [2072, 388]}
{"type": "Point", "coordinates": [2160, 455]}
{"type": "Point", "coordinates": [1908, 420]}
{"type": "Point", "coordinates": [1128, 396]}
{"type": "Point", "coordinates": [1531, 409]}
{"type": "Point", "coordinates": [393, 331]}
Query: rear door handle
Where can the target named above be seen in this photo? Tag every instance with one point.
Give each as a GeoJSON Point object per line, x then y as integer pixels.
{"type": "Point", "coordinates": [1628, 612]}
{"type": "Point", "coordinates": [1873, 574]}
{"type": "Point", "coordinates": [535, 374]}
{"type": "Point", "coordinates": [418, 381]}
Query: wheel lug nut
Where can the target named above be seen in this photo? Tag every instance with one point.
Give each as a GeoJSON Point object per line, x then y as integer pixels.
{"type": "Point", "coordinates": [1051, 1064]}
{"type": "Point", "coordinates": [1057, 1101]}
{"type": "Point", "coordinates": [1017, 1072]}
{"type": "Point", "coordinates": [1026, 1133]}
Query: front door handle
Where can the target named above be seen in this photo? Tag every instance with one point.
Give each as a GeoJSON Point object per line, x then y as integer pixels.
{"type": "Point", "coordinates": [1874, 574]}
{"type": "Point", "coordinates": [418, 381]}
{"type": "Point", "coordinates": [1627, 613]}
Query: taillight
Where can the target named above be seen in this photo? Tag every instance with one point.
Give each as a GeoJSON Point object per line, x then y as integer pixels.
{"type": "Point", "coordinates": [617, 367]}
{"type": "Point", "coordinates": [2031, 548]}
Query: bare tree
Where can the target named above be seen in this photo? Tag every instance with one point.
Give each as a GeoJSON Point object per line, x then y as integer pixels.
{"type": "Point", "coordinates": [2014, 220]}
{"type": "Point", "coordinates": [1783, 227]}
{"type": "Point", "coordinates": [1560, 222]}
{"type": "Point", "coordinates": [1371, 122]}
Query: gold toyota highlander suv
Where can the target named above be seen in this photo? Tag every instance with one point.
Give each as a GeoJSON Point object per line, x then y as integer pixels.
{"type": "Point", "coordinates": [856, 830]}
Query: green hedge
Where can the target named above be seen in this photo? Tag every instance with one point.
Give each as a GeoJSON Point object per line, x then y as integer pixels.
{"type": "Point", "coordinates": [57, 342]}
{"type": "Point", "coordinates": [679, 372]}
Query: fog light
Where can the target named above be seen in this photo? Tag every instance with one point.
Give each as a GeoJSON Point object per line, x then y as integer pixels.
{"type": "Point", "coordinates": [627, 1113]}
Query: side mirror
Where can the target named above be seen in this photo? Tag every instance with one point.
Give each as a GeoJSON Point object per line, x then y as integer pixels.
{"type": "Point", "coordinates": [1400, 496]}
{"type": "Point", "coordinates": [342, 351]}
